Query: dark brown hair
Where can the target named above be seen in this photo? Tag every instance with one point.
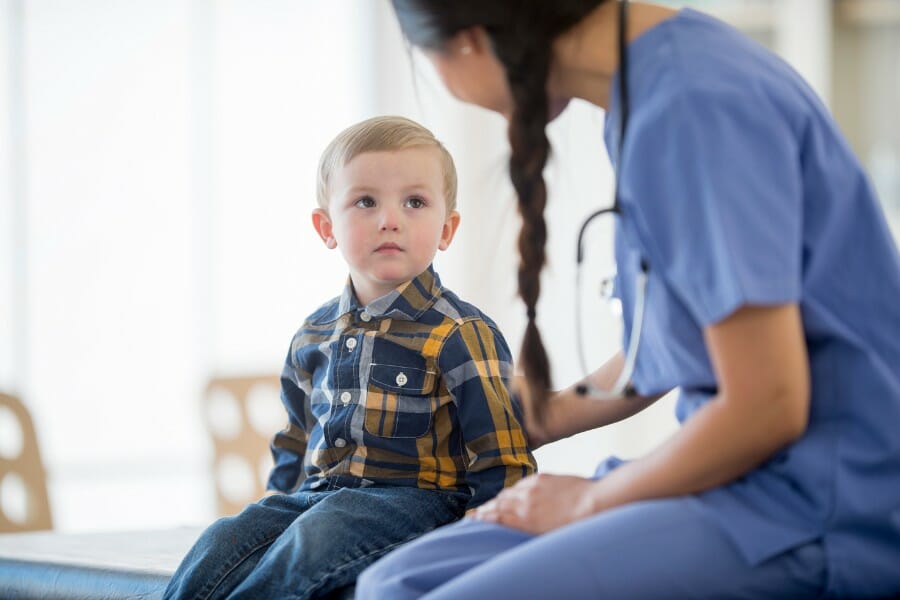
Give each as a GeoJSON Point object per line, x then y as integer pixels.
{"type": "Point", "coordinates": [521, 34]}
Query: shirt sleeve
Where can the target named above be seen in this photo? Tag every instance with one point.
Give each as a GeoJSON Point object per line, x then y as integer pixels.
{"type": "Point", "coordinates": [289, 445]}
{"type": "Point", "coordinates": [713, 181]}
{"type": "Point", "coordinates": [476, 365]}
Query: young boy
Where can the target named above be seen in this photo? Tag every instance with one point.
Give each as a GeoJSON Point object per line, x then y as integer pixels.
{"type": "Point", "coordinates": [396, 391]}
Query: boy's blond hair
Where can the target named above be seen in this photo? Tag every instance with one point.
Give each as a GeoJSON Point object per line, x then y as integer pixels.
{"type": "Point", "coordinates": [382, 134]}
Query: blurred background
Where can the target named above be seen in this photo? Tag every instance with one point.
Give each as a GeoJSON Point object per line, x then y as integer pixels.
{"type": "Point", "coordinates": [157, 174]}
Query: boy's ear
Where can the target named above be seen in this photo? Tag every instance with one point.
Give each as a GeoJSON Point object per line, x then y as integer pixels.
{"type": "Point", "coordinates": [322, 223]}
{"type": "Point", "coordinates": [449, 230]}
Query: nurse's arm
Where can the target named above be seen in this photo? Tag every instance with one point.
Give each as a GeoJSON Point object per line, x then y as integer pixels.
{"type": "Point", "coordinates": [762, 370]}
{"type": "Point", "coordinates": [568, 412]}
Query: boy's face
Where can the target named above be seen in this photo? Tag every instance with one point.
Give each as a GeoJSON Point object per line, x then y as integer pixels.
{"type": "Point", "coordinates": [388, 215]}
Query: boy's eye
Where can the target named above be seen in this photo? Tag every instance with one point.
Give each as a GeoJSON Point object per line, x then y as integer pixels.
{"type": "Point", "coordinates": [365, 202]}
{"type": "Point", "coordinates": [415, 203]}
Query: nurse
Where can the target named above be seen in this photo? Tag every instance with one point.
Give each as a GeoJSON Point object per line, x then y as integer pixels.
{"type": "Point", "coordinates": [758, 274]}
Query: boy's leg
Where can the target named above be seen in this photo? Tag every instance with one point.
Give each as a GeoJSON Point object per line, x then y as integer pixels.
{"type": "Point", "coordinates": [229, 548]}
{"type": "Point", "coordinates": [658, 549]}
{"type": "Point", "coordinates": [341, 534]}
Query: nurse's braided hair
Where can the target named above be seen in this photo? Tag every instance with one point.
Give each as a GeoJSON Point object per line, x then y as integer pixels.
{"type": "Point", "coordinates": [521, 34]}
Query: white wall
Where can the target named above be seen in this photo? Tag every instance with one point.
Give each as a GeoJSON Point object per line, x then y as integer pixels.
{"type": "Point", "coordinates": [108, 180]}
{"type": "Point", "coordinates": [9, 53]}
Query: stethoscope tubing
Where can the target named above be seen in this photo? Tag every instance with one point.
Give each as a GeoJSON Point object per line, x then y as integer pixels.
{"type": "Point", "coordinates": [622, 386]}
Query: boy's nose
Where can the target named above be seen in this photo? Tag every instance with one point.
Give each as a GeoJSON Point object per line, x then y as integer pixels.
{"type": "Point", "coordinates": [390, 220]}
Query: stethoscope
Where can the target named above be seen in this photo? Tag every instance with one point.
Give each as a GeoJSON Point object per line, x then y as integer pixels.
{"type": "Point", "coordinates": [622, 386]}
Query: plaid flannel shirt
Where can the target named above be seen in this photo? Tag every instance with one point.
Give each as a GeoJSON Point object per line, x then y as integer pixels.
{"type": "Point", "coordinates": [411, 390]}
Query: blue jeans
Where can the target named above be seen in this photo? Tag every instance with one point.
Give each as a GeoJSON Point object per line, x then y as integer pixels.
{"type": "Point", "coordinates": [307, 544]}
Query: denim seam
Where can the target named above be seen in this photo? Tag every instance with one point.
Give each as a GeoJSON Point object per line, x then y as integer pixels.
{"type": "Point", "coordinates": [246, 555]}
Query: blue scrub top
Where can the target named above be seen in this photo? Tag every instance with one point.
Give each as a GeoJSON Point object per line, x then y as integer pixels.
{"type": "Point", "coordinates": [738, 189]}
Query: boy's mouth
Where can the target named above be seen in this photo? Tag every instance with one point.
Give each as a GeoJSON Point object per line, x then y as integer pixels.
{"type": "Point", "coordinates": [388, 247]}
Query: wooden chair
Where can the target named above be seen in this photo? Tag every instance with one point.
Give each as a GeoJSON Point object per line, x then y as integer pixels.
{"type": "Point", "coordinates": [242, 414]}
{"type": "Point", "coordinates": [21, 471]}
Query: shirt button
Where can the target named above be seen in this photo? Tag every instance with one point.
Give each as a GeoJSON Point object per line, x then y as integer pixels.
{"type": "Point", "coordinates": [401, 379]}
{"type": "Point", "coordinates": [345, 397]}
{"type": "Point", "coordinates": [365, 316]}
{"type": "Point", "coordinates": [340, 442]}
{"type": "Point", "coordinates": [350, 343]}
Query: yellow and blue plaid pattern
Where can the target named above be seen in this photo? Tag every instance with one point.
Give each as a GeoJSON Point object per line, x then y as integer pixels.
{"type": "Point", "coordinates": [411, 390]}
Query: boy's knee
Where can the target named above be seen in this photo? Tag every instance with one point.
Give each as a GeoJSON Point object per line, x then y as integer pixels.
{"type": "Point", "coordinates": [236, 530]}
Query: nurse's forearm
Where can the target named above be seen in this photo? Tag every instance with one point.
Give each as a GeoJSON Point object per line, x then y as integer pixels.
{"type": "Point", "coordinates": [715, 447]}
{"type": "Point", "coordinates": [761, 365]}
{"type": "Point", "coordinates": [569, 413]}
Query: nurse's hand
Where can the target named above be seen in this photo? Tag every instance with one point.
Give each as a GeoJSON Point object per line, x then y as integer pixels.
{"type": "Point", "coordinates": [540, 503]}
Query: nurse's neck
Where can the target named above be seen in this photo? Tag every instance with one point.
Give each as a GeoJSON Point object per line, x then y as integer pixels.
{"type": "Point", "coordinates": [586, 57]}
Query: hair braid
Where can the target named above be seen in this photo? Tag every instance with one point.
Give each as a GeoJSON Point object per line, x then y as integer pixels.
{"type": "Point", "coordinates": [527, 76]}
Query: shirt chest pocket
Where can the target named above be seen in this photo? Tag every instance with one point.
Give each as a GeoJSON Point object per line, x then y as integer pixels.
{"type": "Point", "coordinates": [400, 401]}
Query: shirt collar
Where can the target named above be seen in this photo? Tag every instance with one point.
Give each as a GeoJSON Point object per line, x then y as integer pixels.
{"type": "Point", "coordinates": [405, 303]}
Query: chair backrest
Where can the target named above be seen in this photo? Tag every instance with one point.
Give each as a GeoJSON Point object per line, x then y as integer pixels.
{"type": "Point", "coordinates": [24, 504]}
{"type": "Point", "coordinates": [242, 414]}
